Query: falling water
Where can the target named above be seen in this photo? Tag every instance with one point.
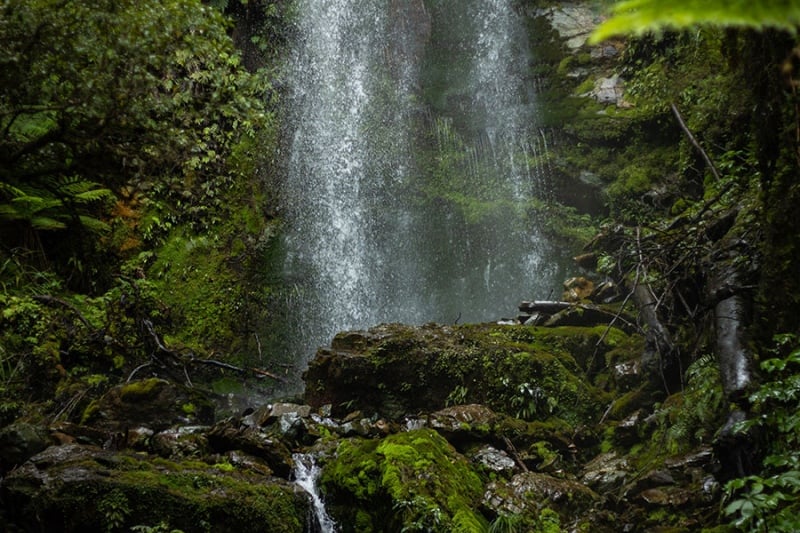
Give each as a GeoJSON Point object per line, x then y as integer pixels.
{"type": "Point", "coordinates": [306, 474]}
{"type": "Point", "coordinates": [414, 159]}
{"type": "Point", "coordinates": [352, 77]}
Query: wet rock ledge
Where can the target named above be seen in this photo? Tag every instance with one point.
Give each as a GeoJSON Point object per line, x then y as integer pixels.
{"type": "Point", "coordinates": [442, 428]}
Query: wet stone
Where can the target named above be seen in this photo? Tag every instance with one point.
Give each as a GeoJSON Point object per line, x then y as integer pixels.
{"type": "Point", "coordinates": [493, 459]}
{"type": "Point", "coordinates": [606, 472]}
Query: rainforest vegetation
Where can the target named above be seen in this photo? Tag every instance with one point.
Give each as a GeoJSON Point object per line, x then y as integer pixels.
{"type": "Point", "coordinates": [140, 164]}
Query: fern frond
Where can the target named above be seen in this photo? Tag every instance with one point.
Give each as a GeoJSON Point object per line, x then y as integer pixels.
{"type": "Point", "coordinates": [94, 224]}
{"type": "Point", "coordinates": [94, 195]}
{"type": "Point", "coordinates": [641, 16]}
{"type": "Point", "coordinates": [46, 223]}
{"type": "Point", "coordinates": [82, 191]}
{"type": "Point", "coordinates": [25, 207]}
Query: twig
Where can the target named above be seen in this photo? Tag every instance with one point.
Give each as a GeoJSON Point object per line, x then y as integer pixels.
{"type": "Point", "coordinates": [239, 369]}
{"type": "Point", "coordinates": [694, 142]}
{"type": "Point", "coordinates": [515, 454]}
{"type": "Point", "coordinates": [135, 370]}
{"type": "Point", "coordinates": [213, 362]}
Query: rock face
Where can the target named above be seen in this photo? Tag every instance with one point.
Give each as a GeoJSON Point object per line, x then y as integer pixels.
{"type": "Point", "coordinates": [574, 22]}
{"type": "Point", "coordinates": [393, 370]}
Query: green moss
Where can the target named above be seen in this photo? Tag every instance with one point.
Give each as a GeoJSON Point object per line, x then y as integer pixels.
{"type": "Point", "coordinates": [90, 411]}
{"type": "Point", "coordinates": [412, 479]}
{"type": "Point", "coordinates": [191, 496]}
{"type": "Point", "coordinates": [528, 372]}
{"type": "Point", "coordinates": [140, 390]}
{"type": "Point", "coordinates": [629, 402]}
{"type": "Point", "coordinates": [586, 86]}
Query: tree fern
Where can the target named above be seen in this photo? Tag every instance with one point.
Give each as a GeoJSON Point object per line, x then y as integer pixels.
{"type": "Point", "coordinates": [641, 16]}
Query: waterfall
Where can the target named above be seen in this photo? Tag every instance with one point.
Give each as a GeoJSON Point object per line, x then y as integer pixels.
{"type": "Point", "coordinates": [414, 156]}
{"type": "Point", "coordinates": [306, 473]}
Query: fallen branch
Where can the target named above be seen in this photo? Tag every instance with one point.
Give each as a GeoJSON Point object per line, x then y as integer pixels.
{"type": "Point", "coordinates": [240, 370]}
{"type": "Point", "coordinates": [50, 300]}
{"type": "Point", "coordinates": [191, 359]}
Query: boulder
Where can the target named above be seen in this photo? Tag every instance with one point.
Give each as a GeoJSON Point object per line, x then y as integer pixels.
{"type": "Point", "coordinates": [574, 22]}
{"type": "Point", "coordinates": [153, 403]}
{"type": "Point", "coordinates": [577, 289]}
{"type": "Point", "coordinates": [530, 490]}
{"type": "Point", "coordinates": [77, 487]}
{"type": "Point", "coordinates": [19, 442]}
{"type": "Point", "coordinates": [395, 371]}
{"type": "Point", "coordinates": [606, 472]}
{"type": "Point", "coordinates": [230, 435]}
{"type": "Point", "coordinates": [493, 460]}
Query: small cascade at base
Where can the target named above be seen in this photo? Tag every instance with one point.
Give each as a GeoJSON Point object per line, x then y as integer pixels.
{"type": "Point", "coordinates": [306, 473]}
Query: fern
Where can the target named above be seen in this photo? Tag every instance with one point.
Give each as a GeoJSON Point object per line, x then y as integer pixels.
{"type": "Point", "coordinates": [54, 203]}
{"type": "Point", "coordinates": [642, 16]}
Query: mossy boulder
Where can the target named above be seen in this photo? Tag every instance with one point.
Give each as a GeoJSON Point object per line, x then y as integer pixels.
{"type": "Point", "coordinates": [411, 479]}
{"type": "Point", "coordinates": [530, 492]}
{"type": "Point", "coordinates": [527, 372]}
{"type": "Point", "coordinates": [154, 403]}
{"type": "Point", "coordinates": [19, 441]}
{"type": "Point", "coordinates": [84, 488]}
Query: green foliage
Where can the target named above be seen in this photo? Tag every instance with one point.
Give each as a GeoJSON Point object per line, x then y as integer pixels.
{"type": "Point", "coordinates": [102, 98]}
{"type": "Point", "coordinates": [458, 396]}
{"type": "Point", "coordinates": [640, 16]}
{"type": "Point", "coordinates": [412, 481]}
{"type": "Point", "coordinates": [115, 509]}
{"type": "Point", "coordinates": [54, 204]}
{"type": "Point", "coordinates": [506, 523]}
{"type": "Point", "coordinates": [688, 418]}
{"type": "Point", "coordinates": [529, 402]}
{"type": "Point", "coordinates": [770, 501]}
{"type": "Point", "coordinates": [161, 527]}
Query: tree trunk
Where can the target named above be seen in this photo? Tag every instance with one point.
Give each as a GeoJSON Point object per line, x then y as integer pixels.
{"type": "Point", "coordinates": [660, 364]}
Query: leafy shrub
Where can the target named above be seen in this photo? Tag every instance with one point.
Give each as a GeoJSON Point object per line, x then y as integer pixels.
{"type": "Point", "coordinates": [770, 501]}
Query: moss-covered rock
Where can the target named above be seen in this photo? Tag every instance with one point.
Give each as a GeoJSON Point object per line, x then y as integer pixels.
{"type": "Point", "coordinates": [523, 371]}
{"type": "Point", "coordinates": [83, 488]}
{"type": "Point", "coordinates": [408, 481]}
{"type": "Point", "coordinates": [153, 402]}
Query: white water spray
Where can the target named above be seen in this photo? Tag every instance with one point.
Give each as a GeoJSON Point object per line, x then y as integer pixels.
{"type": "Point", "coordinates": [414, 156]}
{"type": "Point", "coordinates": [306, 474]}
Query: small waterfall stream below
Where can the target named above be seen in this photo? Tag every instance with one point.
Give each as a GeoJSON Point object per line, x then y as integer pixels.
{"type": "Point", "coordinates": [306, 473]}
{"type": "Point", "coordinates": [414, 160]}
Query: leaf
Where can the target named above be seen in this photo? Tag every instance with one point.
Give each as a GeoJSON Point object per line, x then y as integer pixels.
{"type": "Point", "coordinates": [95, 194]}
{"type": "Point", "coordinates": [642, 16]}
{"type": "Point", "coordinates": [94, 224]}
{"type": "Point", "coordinates": [734, 506]}
{"type": "Point", "coordinates": [46, 223]}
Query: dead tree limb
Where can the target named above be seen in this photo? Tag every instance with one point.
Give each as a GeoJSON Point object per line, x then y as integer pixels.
{"type": "Point", "coordinates": [50, 300]}
{"type": "Point", "coordinates": [694, 142]}
{"type": "Point", "coordinates": [660, 355]}
{"type": "Point", "coordinates": [190, 358]}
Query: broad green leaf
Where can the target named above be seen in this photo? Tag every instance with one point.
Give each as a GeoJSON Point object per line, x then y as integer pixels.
{"type": "Point", "coordinates": [642, 16]}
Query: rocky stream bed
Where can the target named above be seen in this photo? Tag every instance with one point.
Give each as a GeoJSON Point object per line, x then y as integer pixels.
{"type": "Point", "coordinates": [430, 428]}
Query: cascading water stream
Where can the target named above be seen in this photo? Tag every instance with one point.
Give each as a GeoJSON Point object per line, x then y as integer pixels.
{"type": "Point", "coordinates": [306, 474]}
{"type": "Point", "coordinates": [414, 158]}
